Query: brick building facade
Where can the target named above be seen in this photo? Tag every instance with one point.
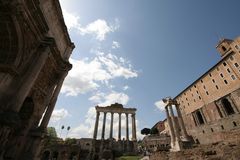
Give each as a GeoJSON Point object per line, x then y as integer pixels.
{"type": "Point", "coordinates": [210, 106]}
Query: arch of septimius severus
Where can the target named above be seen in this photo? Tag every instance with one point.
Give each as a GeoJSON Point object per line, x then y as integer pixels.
{"type": "Point", "coordinates": [121, 145]}
{"type": "Point", "coordinates": [34, 50]}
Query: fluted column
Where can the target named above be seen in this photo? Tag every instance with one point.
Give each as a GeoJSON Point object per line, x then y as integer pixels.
{"type": "Point", "coordinates": [52, 103]}
{"type": "Point", "coordinates": [182, 126]}
{"type": "Point", "coordinates": [111, 126]}
{"type": "Point", "coordinates": [119, 127]}
{"type": "Point", "coordinates": [134, 137]}
{"type": "Point", "coordinates": [170, 126]}
{"type": "Point", "coordinates": [96, 125]}
{"type": "Point", "coordinates": [175, 127]}
{"type": "Point", "coordinates": [127, 129]}
{"type": "Point", "coordinates": [103, 126]}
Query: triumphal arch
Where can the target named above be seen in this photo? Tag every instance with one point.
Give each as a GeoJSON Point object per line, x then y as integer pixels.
{"type": "Point", "coordinates": [109, 147]}
{"type": "Point", "coordinates": [34, 50]}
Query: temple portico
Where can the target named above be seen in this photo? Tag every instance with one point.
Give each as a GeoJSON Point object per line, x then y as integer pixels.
{"type": "Point", "coordinates": [114, 110]}
{"type": "Point", "coordinates": [108, 144]}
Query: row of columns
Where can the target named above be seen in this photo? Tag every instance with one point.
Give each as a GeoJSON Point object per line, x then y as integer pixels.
{"type": "Point", "coordinates": [173, 126]}
{"type": "Point", "coordinates": [119, 126]}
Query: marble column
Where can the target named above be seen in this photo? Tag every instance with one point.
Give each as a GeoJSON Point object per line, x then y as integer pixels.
{"type": "Point", "coordinates": [119, 127]}
{"type": "Point", "coordinates": [103, 126]}
{"type": "Point", "coordinates": [52, 103]}
{"type": "Point", "coordinates": [134, 137]}
{"type": "Point", "coordinates": [181, 123]}
{"type": "Point", "coordinates": [96, 125]}
{"type": "Point", "coordinates": [111, 126]}
{"type": "Point", "coordinates": [127, 129]}
{"type": "Point", "coordinates": [172, 134]}
{"type": "Point", "coordinates": [175, 127]}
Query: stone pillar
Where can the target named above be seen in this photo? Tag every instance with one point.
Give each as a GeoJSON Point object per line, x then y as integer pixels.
{"type": "Point", "coordinates": [119, 127]}
{"type": "Point", "coordinates": [52, 103]}
{"type": "Point", "coordinates": [172, 134]}
{"type": "Point", "coordinates": [134, 137]}
{"type": "Point", "coordinates": [111, 126]}
{"type": "Point", "coordinates": [181, 123]}
{"type": "Point", "coordinates": [103, 126]}
{"type": "Point", "coordinates": [175, 127]}
{"type": "Point", "coordinates": [96, 125]}
{"type": "Point", "coordinates": [127, 129]}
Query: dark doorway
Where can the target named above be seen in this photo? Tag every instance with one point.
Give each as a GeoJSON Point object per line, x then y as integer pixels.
{"type": "Point", "coordinates": [227, 106]}
{"type": "Point", "coordinates": [46, 155]}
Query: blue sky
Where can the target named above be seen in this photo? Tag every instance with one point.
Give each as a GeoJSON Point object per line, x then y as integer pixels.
{"type": "Point", "coordinates": [137, 52]}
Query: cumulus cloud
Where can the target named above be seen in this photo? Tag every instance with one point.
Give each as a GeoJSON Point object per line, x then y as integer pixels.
{"type": "Point", "coordinates": [160, 105]}
{"type": "Point", "coordinates": [59, 114]}
{"type": "Point", "coordinates": [88, 75]}
{"type": "Point", "coordinates": [102, 99]}
{"type": "Point", "coordinates": [71, 20]}
{"type": "Point", "coordinates": [98, 28]}
{"type": "Point", "coordinates": [115, 45]}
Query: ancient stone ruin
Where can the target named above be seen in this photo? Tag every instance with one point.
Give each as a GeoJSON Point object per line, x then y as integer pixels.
{"type": "Point", "coordinates": [109, 148]}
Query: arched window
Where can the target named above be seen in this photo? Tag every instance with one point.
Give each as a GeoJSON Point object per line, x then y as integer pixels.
{"type": "Point", "coordinates": [227, 106]}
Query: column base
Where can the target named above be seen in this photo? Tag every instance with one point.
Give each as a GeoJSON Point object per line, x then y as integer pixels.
{"type": "Point", "coordinates": [177, 146]}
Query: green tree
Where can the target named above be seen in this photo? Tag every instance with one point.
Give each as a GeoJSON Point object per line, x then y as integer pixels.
{"type": "Point", "coordinates": [154, 131]}
{"type": "Point", "coordinates": [145, 131]}
{"type": "Point", "coordinates": [51, 131]}
{"type": "Point", "coordinates": [70, 141]}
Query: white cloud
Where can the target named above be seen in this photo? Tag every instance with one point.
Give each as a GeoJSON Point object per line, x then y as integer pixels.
{"type": "Point", "coordinates": [98, 28]}
{"type": "Point", "coordinates": [125, 88]}
{"type": "Point", "coordinates": [160, 105]}
{"type": "Point", "coordinates": [115, 45]}
{"type": "Point", "coordinates": [88, 75]}
{"type": "Point", "coordinates": [71, 20]}
{"type": "Point", "coordinates": [114, 97]}
{"type": "Point", "coordinates": [59, 114]}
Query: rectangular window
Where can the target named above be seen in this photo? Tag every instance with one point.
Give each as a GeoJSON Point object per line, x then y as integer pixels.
{"type": "Point", "coordinates": [217, 86]}
{"type": "Point", "coordinates": [199, 97]}
{"type": "Point", "coordinates": [221, 75]}
{"type": "Point", "coordinates": [204, 87]}
{"type": "Point", "coordinates": [210, 74]}
{"type": "Point", "coordinates": [224, 63]}
{"type": "Point", "coordinates": [233, 77]}
{"type": "Point", "coordinates": [207, 93]}
{"type": "Point", "coordinates": [201, 81]}
{"type": "Point", "coordinates": [228, 70]}
{"type": "Point", "coordinates": [213, 80]}
{"type": "Point", "coordinates": [225, 81]}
